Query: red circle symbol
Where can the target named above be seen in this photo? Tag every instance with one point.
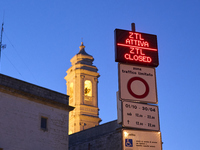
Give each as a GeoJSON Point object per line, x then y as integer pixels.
{"type": "Point", "coordinates": [143, 81]}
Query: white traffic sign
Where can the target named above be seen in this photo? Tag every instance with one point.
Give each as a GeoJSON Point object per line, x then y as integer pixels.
{"type": "Point", "coordinates": [141, 140]}
{"type": "Point", "coordinates": [140, 116]}
{"type": "Point", "coordinates": [137, 83]}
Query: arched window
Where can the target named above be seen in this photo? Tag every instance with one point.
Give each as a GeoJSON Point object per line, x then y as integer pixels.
{"type": "Point", "coordinates": [71, 90]}
{"type": "Point", "coordinates": [88, 88]}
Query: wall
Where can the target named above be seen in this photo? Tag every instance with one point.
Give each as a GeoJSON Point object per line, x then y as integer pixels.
{"type": "Point", "coordinates": [103, 137]}
{"type": "Point", "coordinates": [20, 125]}
{"type": "Point", "coordinates": [21, 107]}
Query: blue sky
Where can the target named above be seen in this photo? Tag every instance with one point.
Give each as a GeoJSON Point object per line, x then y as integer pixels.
{"type": "Point", "coordinates": [43, 35]}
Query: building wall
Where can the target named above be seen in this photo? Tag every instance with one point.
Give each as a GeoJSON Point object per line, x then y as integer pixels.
{"type": "Point", "coordinates": [103, 137]}
{"type": "Point", "coordinates": [21, 107]}
{"type": "Point", "coordinates": [20, 125]}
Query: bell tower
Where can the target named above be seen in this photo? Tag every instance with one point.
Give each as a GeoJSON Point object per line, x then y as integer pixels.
{"type": "Point", "coordinates": [81, 81]}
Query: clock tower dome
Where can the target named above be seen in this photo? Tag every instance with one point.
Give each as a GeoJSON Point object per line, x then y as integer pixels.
{"type": "Point", "coordinates": [82, 80]}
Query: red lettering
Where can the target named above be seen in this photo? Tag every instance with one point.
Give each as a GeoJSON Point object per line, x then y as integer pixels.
{"type": "Point", "coordinates": [131, 35]}
{"type": "Point", "coordinates": [145, 59]}
{"type": "Point", "coordinates": [146, 44]}
{"type": "Point", "coordinates": [126, 56]}
{"type": "Point", "coordinates": [132, 41]}
{"type": "Point", "coordinates": [136, 36]}
{"type": "Point", "coordinates": [141, 37]}
{"type": "Point", "coordinates": [128, 41]}
{"type": "Point", "coordinates": [135, 57]}
{"type": "Point", "coordinates": [149, 59]}
{"type": "Point", "coordinates": [143, 43]}
{"type": "Point", "coordinates": [137, 51]}
{"type": "Point", "coordinates": [141, 52]}
{"type": "Point", "coordinates": [132, 51]}
{"type": "Point", "coordinates": [136, 42]}
{"type": "Point", "coordinates": [140, 43]}
{"type": "Point", "coordinates": [140, 58]}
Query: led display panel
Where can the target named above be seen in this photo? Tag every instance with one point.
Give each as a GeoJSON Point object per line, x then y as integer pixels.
{"type": "Point", "coordinates": [136, 48]}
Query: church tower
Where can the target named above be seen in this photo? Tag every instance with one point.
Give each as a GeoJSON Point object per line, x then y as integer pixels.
{"type": "Point", "coordinates": [81, 81]}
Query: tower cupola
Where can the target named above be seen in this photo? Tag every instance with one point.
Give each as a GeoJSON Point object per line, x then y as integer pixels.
{"type": "Point", "coordinates": [82, 81]}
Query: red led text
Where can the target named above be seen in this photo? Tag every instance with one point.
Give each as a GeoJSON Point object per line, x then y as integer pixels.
{"type": "Point", "coordinates": [136, 40]}
{"type": "Point", "coordinates": [137, 44]}
{"type": "Point", "coordinates": [140, 58]}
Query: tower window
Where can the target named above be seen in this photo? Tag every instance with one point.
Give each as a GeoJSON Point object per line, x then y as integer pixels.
{"type": "Point", "coordinates": [71, 90]}
{"type": "Point", "coordinates": [88, 88]}
{"type": "Point", "coordinates": [44, 123]}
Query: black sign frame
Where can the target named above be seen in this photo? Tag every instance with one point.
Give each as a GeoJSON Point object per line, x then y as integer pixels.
{"type": "Point", "coordinates": [136, 48]}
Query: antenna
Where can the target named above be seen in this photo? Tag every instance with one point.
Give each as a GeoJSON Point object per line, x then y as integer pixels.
{"type": "Point", "coordinates": [2, 46]}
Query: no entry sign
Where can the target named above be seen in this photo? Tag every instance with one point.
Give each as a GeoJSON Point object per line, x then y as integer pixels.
{"type": "Point", "coordinates": [137, 83]}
